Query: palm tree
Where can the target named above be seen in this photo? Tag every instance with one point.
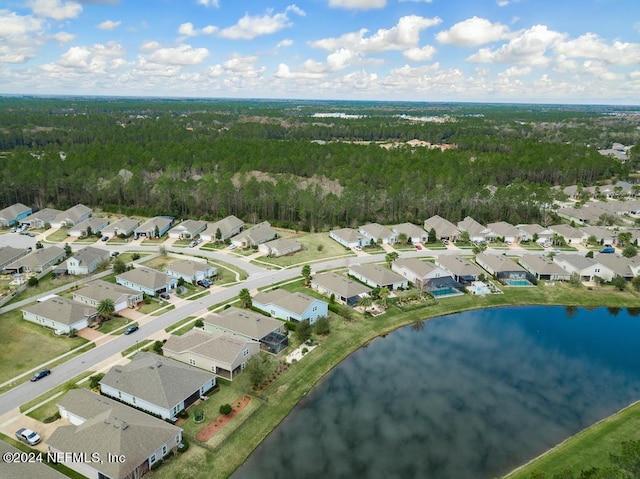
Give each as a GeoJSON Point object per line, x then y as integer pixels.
{"type": "Point", "coordinates": [306, 274]}
{"type": "Point", "coordinates": [391, 257]}
{"type": "Point", "coordinates": [245, 298]}
{"type": "Point", "coordinates": [365, 302]}
{"type": "Point", "coordinates": [106, 308]}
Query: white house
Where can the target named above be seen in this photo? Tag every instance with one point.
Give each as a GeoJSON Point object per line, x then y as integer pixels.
{"type": "Point", "coordinates": [60, 314]}
{"type": "Point", "coordinates": [95, 225]}
{"type": "Point", "coordinates": [75, 214]}
{"type": "Point", "coordinates": [96, 291]}
{"type": "Point", "coordinates": [348, 237]}
{"type": "Point", "coordinates": [228, 227]}
{"type": "Point", "coordinates": [343, 290]}
{"type": "Point", "coordinates": [282, 304]}
{"type": "Point", "coordinates": [280, 247]}
{"type": "Point", "coordinates": [191, 271]}
{"type": "Point", "coordinates": [377, 233]}
{"type": "Point", "coordinates": [254, 236]}
{"type": "Point", "coordinates": [147, 280]}
{"type": "Point", "coordinates": [123, 226]}
{"type": "Point", "coordinates": [375, 275]}
{"type": "Point", "coordinates": [188, 229]}
{"type": "Point", "coordinates": [413, 232]}
{"type": "Point", "coordinates": [86, 260]}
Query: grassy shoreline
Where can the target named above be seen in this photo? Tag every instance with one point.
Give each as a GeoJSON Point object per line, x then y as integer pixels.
{"type": "Point", "coordinates": [347, 337]}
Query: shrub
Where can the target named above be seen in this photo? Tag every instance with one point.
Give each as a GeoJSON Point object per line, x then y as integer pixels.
{"type": "Point", "coordinates": [226, 409]}
{"type": "Point", "coordinates": [33, 281]}
{"type": "Point", "coordinates": [322, 325]}
{"type": "Point", "coordinates": [199, 323]}
{"type": "Point", "coordinates": [183, 414]}
{"type": "Point", "coordinates": [290, 325]}
{"type": "Point", "coordinates": [183, 446]}
{"type": "Point", "coordinates": [135, 256]}
{"type": "Point", "coordinates": [94, 381]}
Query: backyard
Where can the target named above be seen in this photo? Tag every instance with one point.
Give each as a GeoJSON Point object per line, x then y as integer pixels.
{"type": "Point", "coordinates": [317, 246]}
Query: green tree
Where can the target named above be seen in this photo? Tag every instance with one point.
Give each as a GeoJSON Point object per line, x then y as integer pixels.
{"type": "Point", "coordinates": [402, 238]}
{"type": "Point", "coordinates": [245, 298]}
{"type": "Point", "coordinates": [383, 295]}
{"type": "Point", "coordinates": [629, 251]}
{"type": "Point", "coordinates": [391, 257]}
{"type": "Point", "coordinates": [365, 302]}
{"type": "Point", "coordinates": [218, 235]}
{"type": "Point", "coordinates": [303, 331]}
{"type": "Point", "coordinates": [258, 368]}
{"type": "Point", "coordinates": [624, 238]}
{"type": "Point", "coordinates": [322, 325]}
{"type": "Point", "coordinates": [162, 251]}
{"type": "Point", "coordinates": [635, 282]}
{"type": "Point", "coordinates": [431, 236]}
{"type": "Point", "coordinates": [306, 274]}
{"type": "Point", "coordinates": [67, 250]}
{"type": "Point", "coordinates": [589, 254]}
{"type": "Point", "coordinates": [619, 283]}
{"type": "Point", "coordinates": [199, 323]}
{"type": "Point", "coordinates": [106, 308]}
{"type": "Point", "coordinates": [118, 266]}
{"type": "Point", "coordinates": [225, 409]}
{"type": "Point", "coordinates": [33, 281]}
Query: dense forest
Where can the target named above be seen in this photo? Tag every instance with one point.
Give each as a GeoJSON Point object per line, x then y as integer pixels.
{"type": "Point", "coordinates": [279, 161]}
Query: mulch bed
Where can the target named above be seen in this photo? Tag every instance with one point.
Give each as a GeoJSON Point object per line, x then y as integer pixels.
{"type": "Point", "coordinates": [215, 426]}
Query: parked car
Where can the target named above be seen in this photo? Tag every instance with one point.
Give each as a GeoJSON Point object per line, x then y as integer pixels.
{"type": "Point", "coordinates": [357, 248]}
{"type": "Point", "coordinates": [231, 246]}
{"type": "Point", "coordinates": [28, 436]}
{"type": "Point", "coordinates": [131, 329]}
{"type": "Point", "coordinates": [165, 296]}
{"type": "Point", "coordinates": [192, 244]}
{"type": "Point", "coordinates": [418, 246]}
{"type": "Point", "coordinates": [205, 283]}
{"type": "Point", "coordinates": [608, 249]}
{"type": "Point", "coordinates": [40, 374]}
{"type": "Point", "coordinates": [31, 235]}
{"type": "Point", "coordinates": [114, 253]}
{"type": "Point", "coordinates": [104, 238]}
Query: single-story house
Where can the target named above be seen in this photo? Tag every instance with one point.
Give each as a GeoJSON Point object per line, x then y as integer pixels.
{"type": "Point", "coordinates": [41, 218]}
{"type": "Point", "coordinates": [570, 234]}
{"type": "Point", "coordinates": [158, 385]}
{"type": "Point", "coordinates": [8, 255]}
{"type": "Point", "coordinates": [602, 235]}
{"type": "Point", "coordinates": [270, 333]}
{"type": "Point", "coordinates": [74, 215]}
{"type": "Point", "coordinates": [503, 268]}
{"type": "Point", "coordinates": [445, 229]}
{"type": "Point", "coordinates": [14, 214]}
{"type": "Point", "coordinates": [188, 229]}
{"type": "Point", "coordinates": [191, 271]}
{"type": "Point", "coordinates": [104, 426]}
{"type": "Point", "coordinates": [543, 267]}
{"type": "Point", "coordinates": [123, 226]}
{"type": "Point", "coordinates": [228, 227]}
{"type": "Point", "coordinates": [280, 247]}
{"type": "Point", "coordinates": [586, 268]}
{"type": "Point", "coordinates": [96, 291]}
{"type": "Point", "coordinates": [344, 290]}
{"type": "Point", "coordinates": [426, 276]}
{"type": "Point", "coordinates": [621, 266]}
{"type": "Point", "coordinates": [375, 275]}
{"type": "Point", "coordinates": [463, 270]}
{"type": "Point", "coordinates": [254, 236]}
{"type": "Point", "coordinates": [477, 232]}
{"type": "Point", "coordinates": [60, 314]}
{"type": "Point", "coordinates": [348, 237]}
{"type": "Point", "coordinates": [505, 230]}
{"type": "Point", "coordinates": [147, 280]}
{"type": "Point", "coordinates": [36, 261]}
{"type": "Point", "coordinates": [414, 233]}
{"type": "Point", "coordinates": [223, 354]}
{"type": "Point", "coordinates": [528, 231]}
{"type": "Point", "coordinates": [377, 233]}
{"type": "Point", "coordinates": [86, 260]}
{"type": "Point", "coordinates": [95, 225]}
{"type": "Point", "coordinates": [282, 304]}
{"type": "Point", "coordinates": [153, 227]}
{"type": "Point", "coordinates": [584, 216]}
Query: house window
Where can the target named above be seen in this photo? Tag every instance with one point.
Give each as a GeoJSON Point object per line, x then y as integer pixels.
{"type": "Point", "coordinates": [597, 270]}
{"type": "Point", "coordinates": [245, 352]}
{"type": "Point", "coordinates": [243, 365]}
{"type": "Point", "coordinates": [119, 395]}
{"type": "Point", "coordinates": [192, 361]}
{"type": "Point", "coordinates": [315, 308]}
{"type": "Point", "coordinates": [164, 450]}
{"type": "Point", "coordinates": [153, 459]}
{"type": "Point", "coordinates": [134, 400]}
{"type": "Point", "coordinates": [213, 369]}
{"type": "Point", "coordinates": [272, 312]}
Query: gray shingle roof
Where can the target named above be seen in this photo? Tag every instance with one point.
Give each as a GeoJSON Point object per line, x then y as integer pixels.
{"type": "Point", "coordinates": [416, 266]}
{"type": "Point", "coordinates": [220, 347]}
{"type": "Point", "coordinates": [498, 263]}
{"type": "Point", "coordinates": [459, 266]}
{"type": "Point", "coordinates": [347, 234]}
{"type": "Point", "coordinates": [147, 277]}
{"type": "Point", "coordinates": [89, 254]}
{"type": "Point", "coordinates": [38, 257]}
{"type": "Point", "coordinates": [543, 265]}
{"type": "Point", "coordinates": [377, 274]}
{"type": "Point", "coordinates": [295, 302]}
{"type": "Point", "coordinates": [11, 212]}
{"type": "Point", "coordinates": [62, 310]}
{"type": "Point", "coordinates": [340, 285]}
{"type": "Point", "coordinates": [99, 290]}
{"type": "Point", "coordinates": [188, 267]}
{"type": "Point", "coordinates": [245, 323]}
{"type": "Point", "coordinates": [442, 226]}
{"type": "Point", "coordinates": [226, 225]}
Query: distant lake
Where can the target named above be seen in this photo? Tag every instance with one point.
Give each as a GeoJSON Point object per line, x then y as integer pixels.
{"type": "Point", "coordinates": [471, 395]}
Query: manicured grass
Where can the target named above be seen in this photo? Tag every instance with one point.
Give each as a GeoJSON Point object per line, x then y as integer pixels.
{"type": "Point", "coordinates": [113, 324]}
{"type": "Point", "coordinates": [435, 246]}
{"type": "Point", "coordinates": [227, 273]}
{"type": "Point", "coordinates": [403, 247]}
{"type": "Point", "coordinates": [328, 248]}
{"type": "Point", "coordinates": [45, 284]}
{"type": "Point", "coordinates": [213, 246]}
{"type": "Point", "coordinates": [181, 326]}
{"type": "Point", "coordinates": [70, 384]}
{"type": "Point", "coordinates": [589, 448]}
{"type": "Point", "coordinates": [532, 246]}
{"type": "Point", "coordinates": [24, 345]}
{"type": "Point", "coordinates": [154, 306]}
{"type": "Point", "coordinates": [373, 249]}
{"type": "Point", "coordinates": [139, 346]}
{"type": "Point", "coordinates": [57, 237]}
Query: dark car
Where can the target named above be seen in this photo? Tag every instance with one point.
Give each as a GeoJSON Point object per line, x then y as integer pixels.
{"type": "Point", "coordinates": [131, 329]}
{"type": "Point", "coordinates": [104, 238]}
{"type": "Point", "coordinates": [205, 283]}
{"type": "Point", "coordinates": [28, 436]}
{"type": "Point", "coordinates": [40, 374]}
{"type": "Point", "coordinates": [165, 296]}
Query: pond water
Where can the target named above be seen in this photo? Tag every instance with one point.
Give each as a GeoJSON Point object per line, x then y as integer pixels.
{"type": "Point", "coordinates": [470, 395]}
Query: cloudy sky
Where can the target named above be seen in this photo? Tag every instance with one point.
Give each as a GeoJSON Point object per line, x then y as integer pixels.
{"type": "Point", "coordinates": [567, 51]}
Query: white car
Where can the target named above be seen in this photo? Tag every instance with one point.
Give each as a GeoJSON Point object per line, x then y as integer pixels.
{"type": "Point", "coordinates": [231, 246]}
{"type": "Point", "coordinates": [28, 436]}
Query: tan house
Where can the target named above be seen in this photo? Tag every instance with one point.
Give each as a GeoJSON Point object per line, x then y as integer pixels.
{"type": "Point", "coordinates": [96, 291]}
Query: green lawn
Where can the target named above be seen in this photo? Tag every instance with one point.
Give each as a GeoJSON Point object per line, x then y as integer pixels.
{"type": "Point", "coordinates": [49, 408]}
{"type": "Point", "coordinates": [154, 306]}
{"type": "Point", "coordinates": [18, 336]}
{"type": "Point", "coordinates": [45, 284]}
{"type": "Point", "coordinates": [589, 448]}
{"type": "Point", "coordinates": [317, 246]}
{"type": "Point", "coordinates": [113, 324]}
{"type": "Point", "coordinates": [57, 236]}
{"type": "Point", "coordinates": [213, 246]}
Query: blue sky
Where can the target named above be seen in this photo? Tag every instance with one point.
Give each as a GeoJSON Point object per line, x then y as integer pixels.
{"type": "Point", "coordinates": [562, 51]}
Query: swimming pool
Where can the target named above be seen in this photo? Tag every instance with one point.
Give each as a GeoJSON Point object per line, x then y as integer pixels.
{"type": "Point", "coordinates": [517, 282]}
{"type": "Point", "coordinates": [444, 292]}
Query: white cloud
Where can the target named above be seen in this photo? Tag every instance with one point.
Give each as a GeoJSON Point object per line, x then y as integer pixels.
{"type": "Point", "coordinates": [56, 9]}
{"type": "Point", "coordinates": [19, 36]}
{"type": "Point", "coordinates": [213, 3]}
{"type": "Point", "coordinates": [187, 30]}
{"type": "Point", "coordinates": [473, 32]}
{"type": "Point", "coordinates": [64, 37]}
{"type": "Point", "coordinates": [109, 25]}
{"type": "Point", "coordinates": [287, 42]}
{"type": "Point", "coordinates": [420, 54]}
{"type": "Point", "coordinates": [96, 59]}
{"type": "Point", "coordinates": [528, 48]}
{"type": "Point", "coordinates": [592, 46]}
{"type": "Point", "coordinates": [405, 34]}
{"type": "Point", "coordinates": [182, 55]}
{"type": "Point", "coordinates": [357, 4]}
{"type": "Point", "coordinates": [249, 27]}
{"type": "Point", "coordinates": [284, 71]}
{"type": "Point", "coordinates": [515, 72]}
{"type": "Point", "coordinates": [13, 24]}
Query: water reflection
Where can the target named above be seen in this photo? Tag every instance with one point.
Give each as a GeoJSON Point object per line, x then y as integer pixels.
{"type": "Point", "coordinates": [468, 396]}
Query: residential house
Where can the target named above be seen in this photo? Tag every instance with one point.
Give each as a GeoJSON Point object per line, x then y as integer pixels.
{"type": "Point", "coordinates": [427, 276]}
{"type": "Point", "coordinates": [583, 216]}
{"type": "Point", "coordinates": [529, 231]}
{"type": "Point", "coordinates": [254, 236]}
{"type": "Point", "coordinates": [158, 385]}
{"type": "Point", "coordinates": [342, 289]}
{"type": "Point", "coordinates": [40, 218]}
{"type": "Point", "coordinates": [122, 227]}
{"type": "Point", "coordinates": [32, 470]}
{"type": "Point", "coordinates": [270, 333]}
{"type": "Point", "coordinates": [543, 268]}
{"type": "Point", "coordinates": [414, 233]}
{"type": "Point", "coordinates": [147, 280]}
{"type": "Point", "coordinates": [348, 237]}
{"type": "Point", "coordinates": [377, 233]}
{"type": "Point", "coordinates": [8, 255]}
{"type": "Point", "coordinates": [621, 266]}
{"type": "Point", "coordinates": [505, 230]}
{"type": "Point", "coordinates": [13, 214]}
{"type": "Point", "coordinates": [445, 229]}
{"type": "Point", "coordinates": [586, 268]}
{"type": "Point", "coordinates": [570, 234]}
{"type": "Point", "coordinates": [504, 269]}
{"type": "Point", "coordinates": [229, 226]}
{"type": "Point", "coordinates": [96, 291]}
{"type": "Point", "coordinates": [93, 225]}
{"type": "Point", "coordinates": [153, 227]}
{"type": "Point", "coordinates": [375, 275]}
{"type": "Point", "coordinates": [282, 304]}
{"type": "Point", "coordinates": [601, 234]}
{"type": "Point", "coordinates": [74, 215]}
{"type": "Point", "coordinates": [280, 247]}
{"type": "Point", "coordinates": [188, 229]}
{"type": "Point", "coordinates": [191, 271]}
{"type": "Point", "coordinates": [103, 426]}
{"type": "Point", "coordinates": [36, 261]}
{"type": "Point", "coordinates": [463, 270]}
{"type": "Point", "coordinates": [60, 314]}
{"type": "Point", "coordinates": [86, 260]}
{"type": "Point", "coordinates": [477, 232]}
{"type": "Point", "coordinates": [225, 355]}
